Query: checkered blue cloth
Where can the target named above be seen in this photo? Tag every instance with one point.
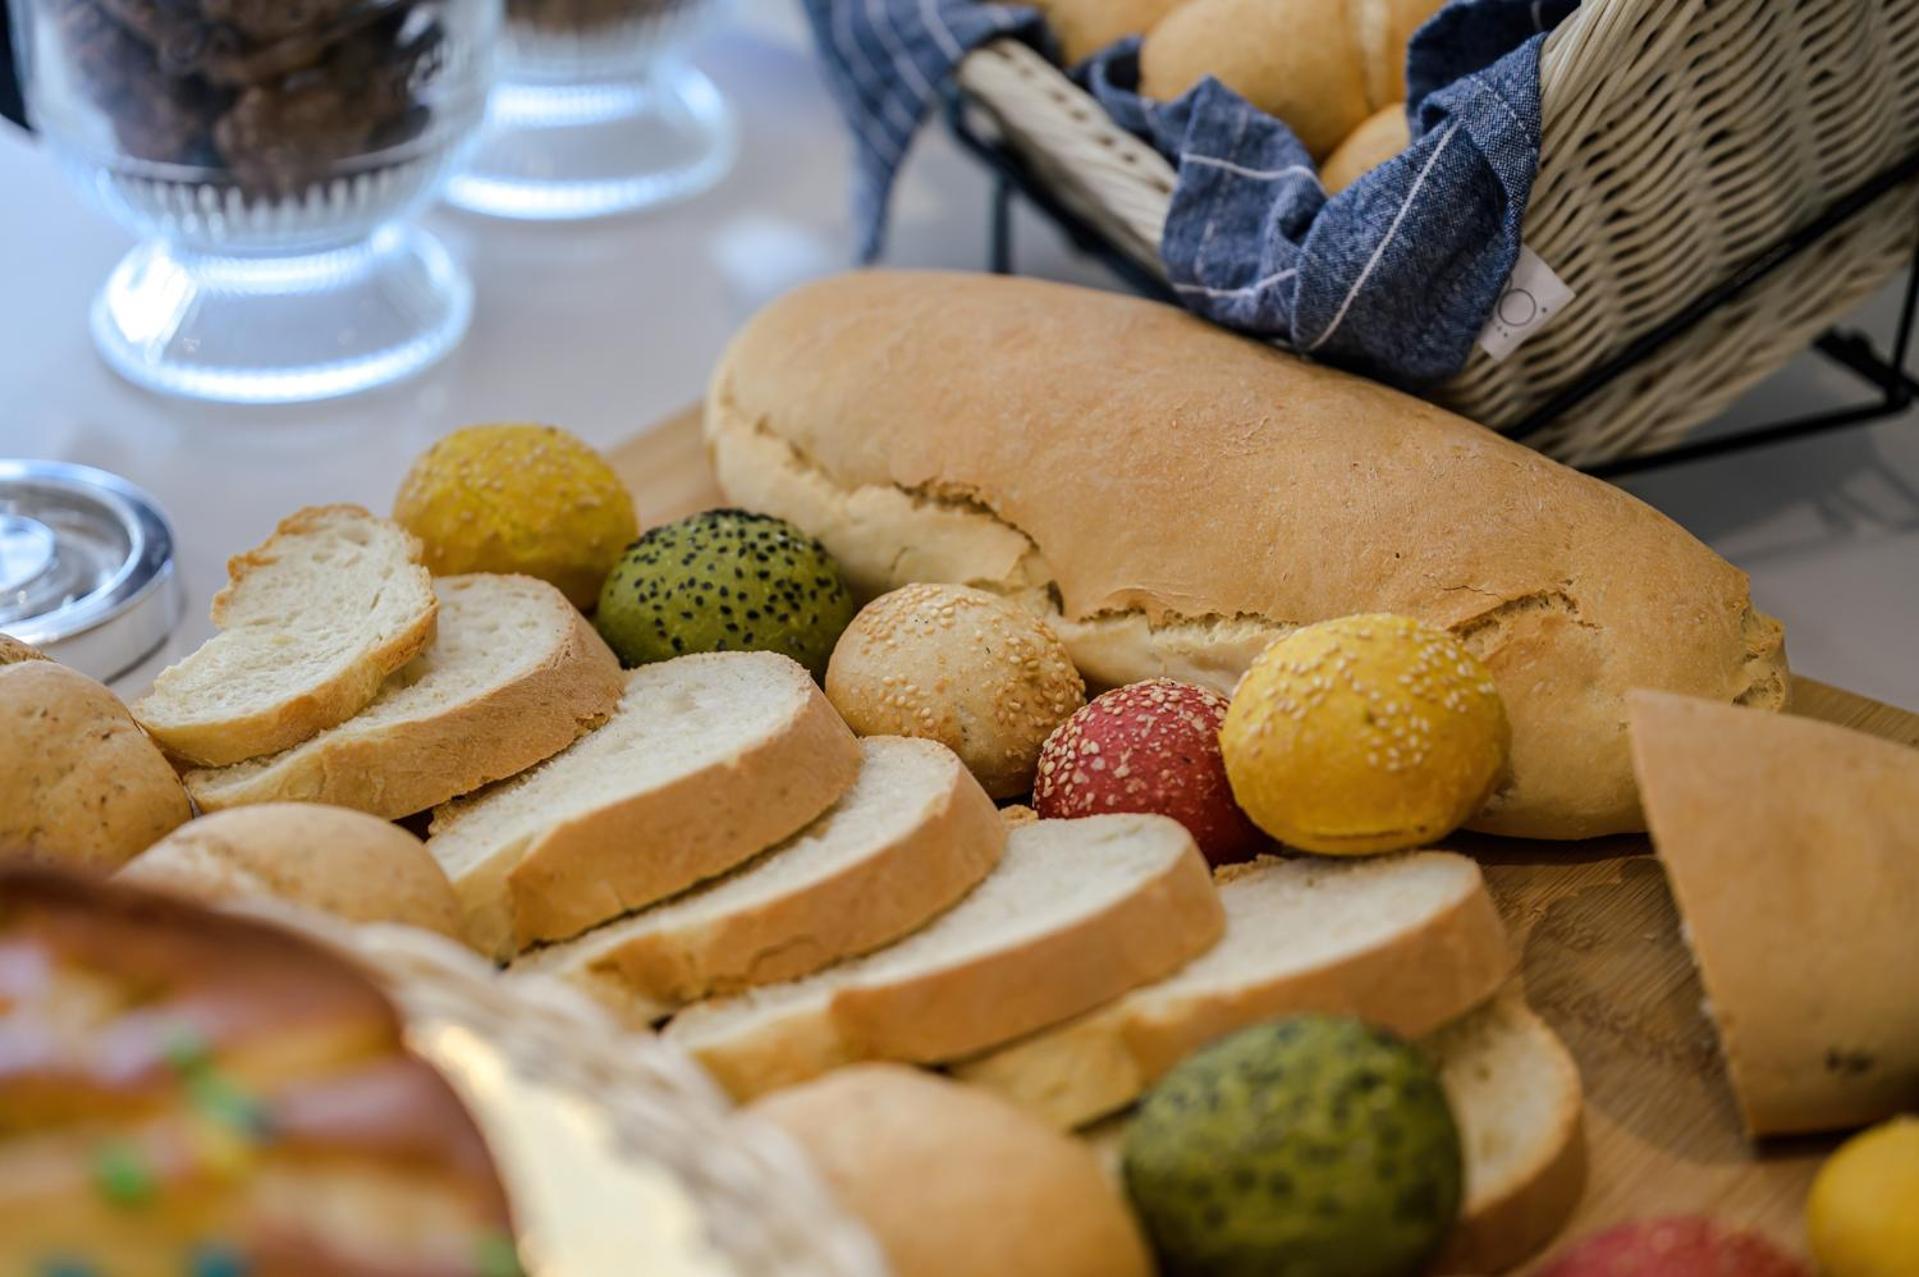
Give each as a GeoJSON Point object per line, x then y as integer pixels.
{"type": "Point", "coordinates": [1394, 276]}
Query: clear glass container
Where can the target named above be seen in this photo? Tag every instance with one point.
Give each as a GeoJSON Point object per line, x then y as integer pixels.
{"type": "Point", "coordinates": [597, 112]}
{"type": "Point", "coordinates": [267, 152]}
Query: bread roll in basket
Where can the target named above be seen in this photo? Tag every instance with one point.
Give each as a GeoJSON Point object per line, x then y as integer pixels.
{"type": "Point", "coordinates": [185, 1091]}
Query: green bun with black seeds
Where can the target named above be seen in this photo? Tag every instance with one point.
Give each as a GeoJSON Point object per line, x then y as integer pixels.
{"type": "Point", "coordinates": [1317, 1146]}
{"type": "Point", "coordinates": [724, 581]}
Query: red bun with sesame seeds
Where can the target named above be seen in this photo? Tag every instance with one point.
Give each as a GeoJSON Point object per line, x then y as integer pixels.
{"type": "Point", "coordinates": [1683, 1246]}
{"type": "Point", "coordinates": [1150, 747]}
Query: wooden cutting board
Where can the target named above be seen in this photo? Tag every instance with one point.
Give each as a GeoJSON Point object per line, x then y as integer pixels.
{"type": "Point", "coordinates": [1602, 960]}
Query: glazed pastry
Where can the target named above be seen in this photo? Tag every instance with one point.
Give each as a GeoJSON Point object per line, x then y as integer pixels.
{"type": "Point", "coordinates": [189, 1092]}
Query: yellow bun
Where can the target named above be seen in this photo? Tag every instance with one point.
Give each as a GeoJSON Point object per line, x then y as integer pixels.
{"type": "Point", "coordinates": [342, 862]}
{"type": "Point", "coordinates": [962, 667]}
{"type": "Point", "coordinates": [1382, 136]}
{"type": "Point", "coordinates": [532, 500]}
{"type": "Point", "coordinates": [1365, 734]}
{"type": "Point", "coordinates": [1863, 1215]}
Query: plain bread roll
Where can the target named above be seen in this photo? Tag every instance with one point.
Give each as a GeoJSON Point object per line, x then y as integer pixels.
{"type": "Point", "coordinates": [80, 784]}
{"type": "Point", "coordinates": [955, 1183]}
{"type": "Point", "coordinates": [345, 863]}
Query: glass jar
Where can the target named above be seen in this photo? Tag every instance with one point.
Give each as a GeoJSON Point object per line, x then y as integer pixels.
{"type": "Point", "coordinates": [266, 151]}
{"type": "Point", "coordinates": [597, 112]}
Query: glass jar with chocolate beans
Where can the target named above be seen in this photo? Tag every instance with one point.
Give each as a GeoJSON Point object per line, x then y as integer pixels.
{"type": "Point", "coordinates": [267, 151]}
{"type": "Point", "coordinates": [597, 112]}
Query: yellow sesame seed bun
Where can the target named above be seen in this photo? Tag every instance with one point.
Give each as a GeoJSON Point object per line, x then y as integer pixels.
{"type": "Point", "coordinates": [1365, 734]}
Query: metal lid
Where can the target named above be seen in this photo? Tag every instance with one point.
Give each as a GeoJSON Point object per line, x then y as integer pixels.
{"type": "Point", "coordinates": [86, 566]}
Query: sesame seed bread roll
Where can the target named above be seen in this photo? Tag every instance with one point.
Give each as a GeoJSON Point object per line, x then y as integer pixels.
{"type": "Point", "coordinates": [961, 667]}
{"type": "Point", "coordinates": [1170, 498]}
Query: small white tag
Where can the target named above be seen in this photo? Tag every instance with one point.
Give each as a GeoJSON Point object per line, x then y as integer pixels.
{"type": "Point", "coordinates": [1532, 297]}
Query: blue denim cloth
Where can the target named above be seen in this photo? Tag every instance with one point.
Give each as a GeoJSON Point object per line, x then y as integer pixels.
{"type": "Point", "coordinates": [1394, 276]}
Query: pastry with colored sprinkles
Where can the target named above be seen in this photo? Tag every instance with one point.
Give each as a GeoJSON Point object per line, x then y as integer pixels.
{"type": "Point", "coordinates": [1318, 1146]}
{"type": "Point", "coordinates": [725, 581]}
{"type": "Point", "coordinates": [185, 1093]}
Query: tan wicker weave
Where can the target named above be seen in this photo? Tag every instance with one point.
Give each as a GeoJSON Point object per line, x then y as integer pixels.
{"type": "Point", "coordinates": [1681, 139]}
{"type": "Point", "coordinates": [720, 1194]}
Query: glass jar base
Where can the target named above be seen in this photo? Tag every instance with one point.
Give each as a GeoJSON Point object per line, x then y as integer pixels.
{"type": "Point", "coordinates": [282, 329]}
{"type": "Point", "coordinates": [554, 152]}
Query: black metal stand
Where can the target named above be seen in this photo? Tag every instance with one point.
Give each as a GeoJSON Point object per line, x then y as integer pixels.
{"type": "Point", "coordinates": [1891, 376]}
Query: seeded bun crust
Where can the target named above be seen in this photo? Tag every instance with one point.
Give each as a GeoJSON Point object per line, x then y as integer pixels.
{"type": "Point", "coordinates": [962, 667]}
{"type": "Point", "coordinates": [1148, 747]}
{"type": "Point", "coordinates": [725, 581]}
{"type": "Point", "coordinates": [1363, 735]}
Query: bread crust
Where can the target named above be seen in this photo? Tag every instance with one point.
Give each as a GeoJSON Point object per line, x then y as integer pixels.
{"type": "Point", "coordinates": [1084, 27]}
{"type": "Point", "coordinates": [628, 854]}
{"type": "Point", "coordinates": [407, 767]}
{"type": "Point", "coordinates": [1790, 846]}
{"type": "Point", "coordinates": [80, 784]}
{"type": "Point", "coordinates": [866, 905]}
{"type": "Point", "coordinates": [1300, 60]}
{"type": "Point", "coordinates": [1171, 497]}
{"type": "Point", "coordinates": [342, 862]}
{"type": "Point", "coordinates": [948, 1014]}
{"type": "Point", "coordinates": [218, 741]}
{"type": "Point", "coordinates": [960, 1010]}
{"type": "Point", "coordinates": [955, 1184]}
{"type": "Point", "coordinates": [1103, 1061]}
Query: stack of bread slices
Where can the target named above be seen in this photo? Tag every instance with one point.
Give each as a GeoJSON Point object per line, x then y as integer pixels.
{"type": "Point", "coordinates": [703, 842]}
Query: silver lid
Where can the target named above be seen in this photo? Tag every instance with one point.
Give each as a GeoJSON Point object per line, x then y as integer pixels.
{"type": "Point", "coordinates": [86, 566]}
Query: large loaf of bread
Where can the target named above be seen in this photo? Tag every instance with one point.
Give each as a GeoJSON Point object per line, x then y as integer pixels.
{"type": "Point", "coordinates": [1172, 498]}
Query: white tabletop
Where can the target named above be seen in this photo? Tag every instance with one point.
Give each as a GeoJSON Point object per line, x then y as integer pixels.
{"type": "Point", "coordinates": [604, 328]}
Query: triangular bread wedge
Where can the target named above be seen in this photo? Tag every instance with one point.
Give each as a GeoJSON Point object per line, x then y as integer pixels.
{"type": "Point", "coordinates": [1792, 847]}
{"type": "Point", "coordinates": [913, 835]}
{"type": "Point", "coordinates": [311, 622]}
{"type": "Point", "coordinates": [706, 762]}
{"type": "Point", "coordinates": [1079, 911]}
{"type": "Point", "coordinates": [1408, 942]}
{"type": "Point", "coordinates": [1516, 1095]}
{"type": "Point", "coordinates": [515, 676]}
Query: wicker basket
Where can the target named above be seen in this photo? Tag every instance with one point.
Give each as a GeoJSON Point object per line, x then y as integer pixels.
{"type": "Point", "coordinates": [1682, 138]}
{"type": "Point", "coordinates": [619, 1153]}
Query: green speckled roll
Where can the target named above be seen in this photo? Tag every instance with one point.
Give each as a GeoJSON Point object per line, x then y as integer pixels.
{"type": "Point", "coordinates": [725, 581]}
{"type": "Point", "coordinates": [1314, 1147]}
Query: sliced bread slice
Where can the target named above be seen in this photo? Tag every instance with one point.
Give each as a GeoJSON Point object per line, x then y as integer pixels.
{"type": "Point", "coordinates": [1079, 911]}
{"type": "Point", "coordinates": [706, 762]}
{"type": "Point", "coordinates": [1515, 1094]}
{"type": "Point", "coordinates": [515, 676]}
{"type": "Point", "coordinates": [311, 622]}
{"type": "Point", "coordinates": [1407, 941]}
{"type": "Point", "coordinates": [913, 835]}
